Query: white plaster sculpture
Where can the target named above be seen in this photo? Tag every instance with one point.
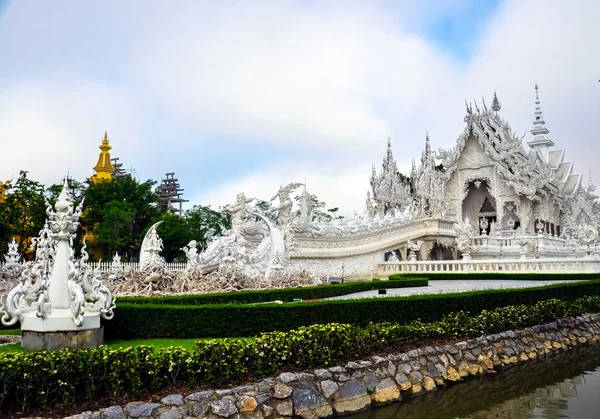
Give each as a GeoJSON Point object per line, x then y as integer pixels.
{"type": "Point", "coordinates": [57, 293]}
{"type": "Point", "coordinates": [191, 254]}
{"type": "Point", "coordinates": [116, 268]}
{"type": "Point", "coordinates": [151, 247]}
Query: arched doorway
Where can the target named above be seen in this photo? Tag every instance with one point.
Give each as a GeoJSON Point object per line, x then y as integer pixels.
{"type": "Point", "coordinates": [479, 206]}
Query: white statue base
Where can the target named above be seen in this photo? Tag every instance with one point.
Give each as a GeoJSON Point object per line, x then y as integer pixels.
{"type": "Point", "coordinates": [57, 331]}
{"type": "Point", "coordinates": [60, 319]}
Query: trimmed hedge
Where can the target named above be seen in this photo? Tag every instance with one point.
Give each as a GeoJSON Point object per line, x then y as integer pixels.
{"type": "Point", "coordinates": [527, 276]}
{"type": "Point", "coordinates": [282, 294]}
{"type": "Point", "coordinates": [178, 321]}
{"type": "Point", "coordinates": [44, 379]}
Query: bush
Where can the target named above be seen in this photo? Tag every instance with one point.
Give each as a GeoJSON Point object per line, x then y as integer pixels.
{"type": "Point", "coordinates": [181, 321]}
{"type": "Point", "coordinates": [43, 379]}
{"type": "Point", "coordinates": [283, 294]}
{"type": "Point", "coordinates": [526, 276]}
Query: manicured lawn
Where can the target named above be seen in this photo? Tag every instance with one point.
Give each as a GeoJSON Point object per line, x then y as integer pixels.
{"type": "Point", "coordinates": [11, 332]}
{"type": "Point", "coordinates": [157, 343]}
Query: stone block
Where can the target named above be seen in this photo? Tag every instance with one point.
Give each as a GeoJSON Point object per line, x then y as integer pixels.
{"type": "Point", "coordinates": [386, 392]}
{"type": "Point", "coordinates": [310, 404]}
{"type": "Point", "coordinates": [54, 341]}
{"type": "Point", "coordinates": [351, 397]}
{"type": "Point", "coordinates": [141, 410]}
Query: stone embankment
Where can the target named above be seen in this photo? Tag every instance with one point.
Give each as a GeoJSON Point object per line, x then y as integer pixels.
{"type": "Point", "coordinates": [374, 381]}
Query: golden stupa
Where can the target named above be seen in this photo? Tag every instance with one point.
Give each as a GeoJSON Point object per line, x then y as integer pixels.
{"type": "Point", "coordinates": [104, 168]}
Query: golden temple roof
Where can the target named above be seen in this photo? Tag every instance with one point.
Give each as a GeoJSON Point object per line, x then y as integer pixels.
{"type": "Point", "coordinates": [104, 167]}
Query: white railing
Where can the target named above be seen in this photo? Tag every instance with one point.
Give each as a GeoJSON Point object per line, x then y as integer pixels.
{"type": "Point", "coordinates": [565, 265]}
{"type": "Point", "coordinates": [543, 242]}
{"type": "Point", "coordinates": [134, 266]}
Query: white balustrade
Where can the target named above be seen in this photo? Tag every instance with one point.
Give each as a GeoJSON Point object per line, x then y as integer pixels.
{"type": "Point", "coordinates": [549, 265]}
{"type": "Point", "coordinates": [134, 266]}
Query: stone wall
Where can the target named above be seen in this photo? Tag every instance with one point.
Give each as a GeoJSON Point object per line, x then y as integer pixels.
{"type": "Point", "coordinates": [374, 381]}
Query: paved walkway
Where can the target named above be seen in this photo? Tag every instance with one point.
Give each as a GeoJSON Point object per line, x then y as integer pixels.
{"type": "Point", "coordinates": [446, 286]}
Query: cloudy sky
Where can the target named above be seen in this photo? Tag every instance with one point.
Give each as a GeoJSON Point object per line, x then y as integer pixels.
{"type": "Point", "coordinates": [248, 95]}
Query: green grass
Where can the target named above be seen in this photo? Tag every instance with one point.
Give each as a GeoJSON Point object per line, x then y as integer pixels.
{"type": "Point", "coordinates": [10, 332]}
{"type": "Point", "coordinates": [157, 343]}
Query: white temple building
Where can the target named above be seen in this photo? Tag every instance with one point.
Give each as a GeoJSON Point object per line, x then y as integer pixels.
{"type": "Point", "coordinates": [489, 203]}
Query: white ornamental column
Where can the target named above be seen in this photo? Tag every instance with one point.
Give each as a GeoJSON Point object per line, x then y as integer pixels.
{"type": "Point", "coordinates": [60, 309]}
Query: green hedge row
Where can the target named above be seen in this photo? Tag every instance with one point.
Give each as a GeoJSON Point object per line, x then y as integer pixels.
{"type": "Point", "coordinates": [527, 276]}
{"type": "Point", "coordinates": [44, 379]}
{"type": "Point", "coordinates": [283, 294]}
{"type": "Point", "coordinates": [179, 321]}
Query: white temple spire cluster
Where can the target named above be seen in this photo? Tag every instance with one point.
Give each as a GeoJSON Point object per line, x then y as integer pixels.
{"type": "Point", "coordinates": [388, 192]}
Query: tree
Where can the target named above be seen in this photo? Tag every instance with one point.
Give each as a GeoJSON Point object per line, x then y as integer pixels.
{"type": "Point", "coordinates": [334, 215]}
{"type": "Point", "coordinates": [114, 232]}
{"type": "Point", "coordinates": [23, 212]}
{"type": "Point", "coordinates": [203, 222]}
{"type": "Point", "coordinates": [175, 233]}
{"type": "Point", "coordinates": [317, 206]}
{"type": "Point", "coordinates": [142, 208]}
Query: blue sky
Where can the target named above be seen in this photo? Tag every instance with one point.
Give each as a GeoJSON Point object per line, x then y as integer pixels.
{"type": "Point", "coordinates": [247, 95]}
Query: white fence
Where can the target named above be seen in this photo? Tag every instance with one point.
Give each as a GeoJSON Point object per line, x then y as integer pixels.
{"type": "Point", "coordinates": [134, 266]}
{"type": "Point", "coordinates": [555, 265]}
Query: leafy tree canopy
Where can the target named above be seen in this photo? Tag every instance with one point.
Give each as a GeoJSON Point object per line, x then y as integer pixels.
{"type": "Point", "coordinates": [23, 212]}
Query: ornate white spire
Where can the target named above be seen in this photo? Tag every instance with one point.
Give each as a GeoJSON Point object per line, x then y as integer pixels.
{"type": "Point", "coordinates": [388, 191]}
{"type": "Point", "coordinates": [496, 106]}
{"type": "Point", "coordinates": [540, 142]}
{"type": "Point", "coordinates": [591, 187]}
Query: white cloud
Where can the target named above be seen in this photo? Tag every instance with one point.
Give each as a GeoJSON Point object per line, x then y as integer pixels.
{"type": "Point", "coordinates": [335, 80]}
{"type": "Point", "coordinates": [342, 187]}
{"type": "Point", "coordinates": [49, 130]}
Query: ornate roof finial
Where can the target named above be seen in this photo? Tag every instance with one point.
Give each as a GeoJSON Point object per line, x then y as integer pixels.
{"type": "Point", "coordinates": [540, 141]}
{"type": "Point", "coordinates": [591, 187]}
{"type": "Point", "coordinates": [104, 167]}
{"type": "Point", "coordinates": [539, 125]}
{"type": "Point", "coordinates": [496, 104]}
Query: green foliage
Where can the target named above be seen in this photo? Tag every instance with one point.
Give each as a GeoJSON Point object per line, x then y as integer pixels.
{"type": "Point", "coordinates": [43, 379]}
{"type": "Point", "coordinates": [225, 320]}
{"type": "Point", "coordinates": [282, 294]}
{"type": "Point", "coordinates": [104, 201]}
{"type": "Point", "coordinates": [204, 222]}
{"type": "Point", "coordinates": [526, 276]}
{"type": "Point", "coordinates": [115, 231]}
{"type": "Point", "coordinates": [175, 233]}
{"type": "Point", "coordinates": [23, 213]}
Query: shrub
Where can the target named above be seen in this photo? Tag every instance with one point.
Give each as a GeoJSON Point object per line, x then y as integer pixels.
{"type": "Point", "coordinates": [43, 379]}
{"type": "Point", "coordinates": [181, 321]}
{"type": "Point", "coordinates": [282, 294]}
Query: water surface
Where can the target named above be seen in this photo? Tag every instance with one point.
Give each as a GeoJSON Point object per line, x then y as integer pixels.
{"type": "Point", "coordinates": [564, 386]}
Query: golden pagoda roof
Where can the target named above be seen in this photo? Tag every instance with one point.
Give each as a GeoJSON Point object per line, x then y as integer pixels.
{"type": "Point", "coordinates": [104, 167]}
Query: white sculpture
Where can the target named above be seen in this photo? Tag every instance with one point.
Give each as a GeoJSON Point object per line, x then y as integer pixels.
{"type": "Point", "coordinates": [388, 192]}
{"type": "Point", "coordinates": [57, 293]}
{"type": "Point", "coordinates": [151, 247]}
{"type": "Point", "coordinates": [116, 268]}
{"type": "Point", "coordinates": [191, 254]}
{"type": "Point", "coordinates": [13, 266]}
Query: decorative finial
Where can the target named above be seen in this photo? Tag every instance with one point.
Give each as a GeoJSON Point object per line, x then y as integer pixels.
{"type": "Point", "coordinates": [389, 142]}
{"type": "Point", "coordinates": [496, 104]}
{"type": "Point", "coordinates": [591, 187]}
{"type": "Point", "coordinates": [537, 97]}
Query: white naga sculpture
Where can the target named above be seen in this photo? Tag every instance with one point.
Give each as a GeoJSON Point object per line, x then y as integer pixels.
{"type": "Point", "coordinates": [57, 293]}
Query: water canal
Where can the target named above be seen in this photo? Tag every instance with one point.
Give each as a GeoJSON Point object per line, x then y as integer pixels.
{"type": "Point", "coordinates": [564, 386]}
